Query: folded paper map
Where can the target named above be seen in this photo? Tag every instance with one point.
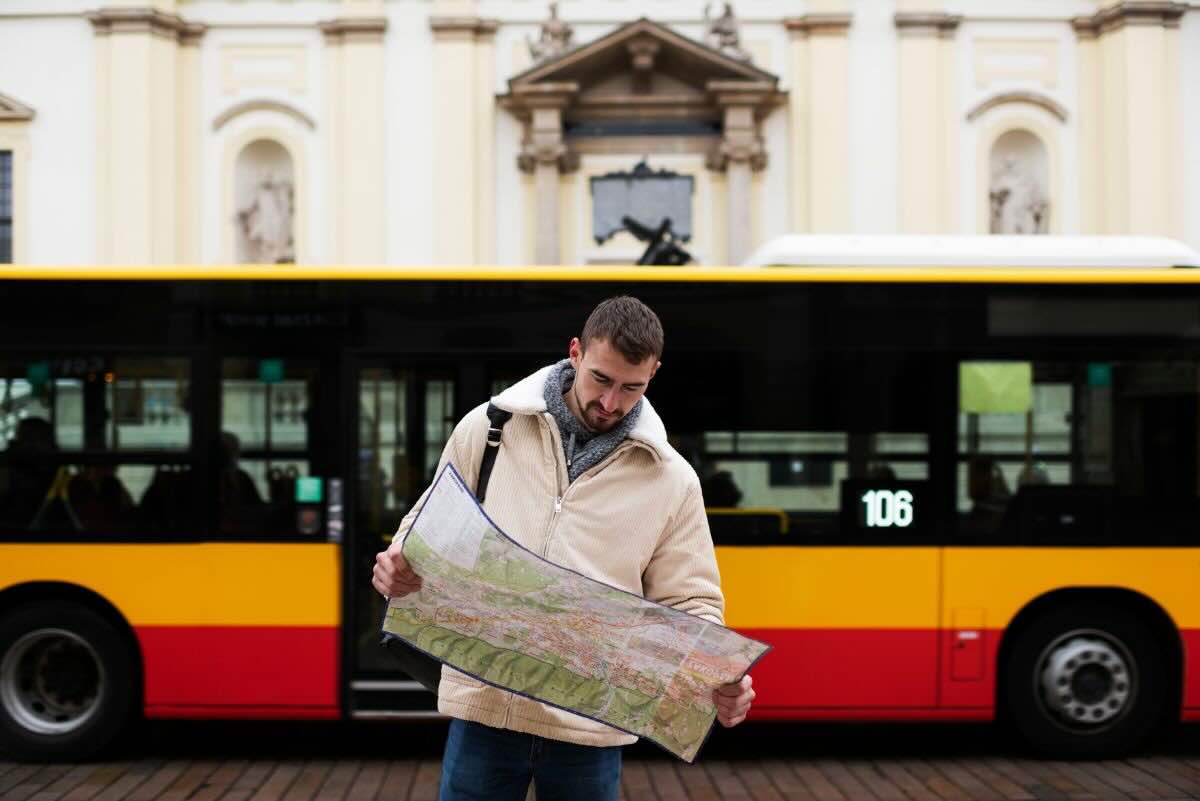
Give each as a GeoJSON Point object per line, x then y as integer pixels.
{"type": "Point", "coordinates": [497, 611]}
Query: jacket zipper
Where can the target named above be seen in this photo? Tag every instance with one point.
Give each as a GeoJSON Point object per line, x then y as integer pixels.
{"type": "Point", "coordinates": [560, 471]}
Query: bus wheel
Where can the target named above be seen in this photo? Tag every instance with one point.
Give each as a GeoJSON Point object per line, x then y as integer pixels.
{"type": "Point", "coordinates": [1085, 681]}
{"type": "Point", "coordinates": [66, 682]}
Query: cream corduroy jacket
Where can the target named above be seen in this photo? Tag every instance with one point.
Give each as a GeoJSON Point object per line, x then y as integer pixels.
{"type": "Point", "coordinates": [635, 521]}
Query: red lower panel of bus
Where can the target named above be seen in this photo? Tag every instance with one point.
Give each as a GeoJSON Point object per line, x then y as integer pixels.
{"type": "Point", "coordinates": [824, 668]}
{"type": "Point", "coordinates": [240, 671]}
{"type": "Point", "coordinates": [877, 714]}
{"type": "Point", "coordinates": [1191, 672]}
{"type": "Point", "coordinates": [865, 674]}
{"type": "Point", "coordinates": [244, 712]}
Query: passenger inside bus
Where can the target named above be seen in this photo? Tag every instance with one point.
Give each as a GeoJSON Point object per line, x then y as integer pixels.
{"type": "Point", "coordinates": [29, 473]}
{"type": "Point", "coordinates": [242, 510]}
{"type": "Point", "coordinates": [989, 495]}
{"type": "Point", "coordinates": [100, 499]}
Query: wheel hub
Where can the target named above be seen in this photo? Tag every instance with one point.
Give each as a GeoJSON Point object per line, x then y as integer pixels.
{"type": "Point", "coordinates": [51, 681]}
{"type": "Point", "coordinates": [1086, 680]}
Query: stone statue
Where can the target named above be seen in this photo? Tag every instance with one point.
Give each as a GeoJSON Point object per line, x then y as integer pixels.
{"type": "Point", "coordinates": [267, 221]}
{"type": "Point", "coordinates": [723, 32]}
{"type": "Point", "coordinates": [554, 40]}
{"type": "Point", "coordinates": [1018, 203]}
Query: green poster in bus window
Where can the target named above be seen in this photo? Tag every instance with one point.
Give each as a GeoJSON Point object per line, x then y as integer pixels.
{"type": "Point", "coordinates": [308, 489]}
{"type": "Point", "coordinates": [995, 387]}
{"type": "Point", "coordinates": [1099, 374]}
{"type": "Point", "coordinates": [270, 371]}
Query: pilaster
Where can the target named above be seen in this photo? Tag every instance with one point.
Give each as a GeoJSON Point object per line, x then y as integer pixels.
{"type": "Point", "coordinates": [355, 43]}
{"type": "Point", "coordinates": [1130, 50]}
{"type": "Point", "coordinates": [463, 122]}
{"type": "Point", "coordinates": [820, 122]}
{"type": "Point", "coordinates": [137, 187]}
{"type": "Point", "coordinates": [928, 196]}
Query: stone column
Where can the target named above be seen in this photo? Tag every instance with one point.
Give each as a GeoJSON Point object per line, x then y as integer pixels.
{"type": "Point", "coordinates": [739, 152]}
{"type": "Point", "coordinates": [928, 194]}
{"type": "Point", "coordinates": [1129, 70]}
{"type": "Point", "coordinates": [137, 182]}
{"type": "Point", "coordinates": [546, 156]}
{"type": "Point", "coordinates": [820, 122]}
{"type": "Point", "coordinates": [356, 138]}
{"type": "Point", "coordinates": [464, 135]}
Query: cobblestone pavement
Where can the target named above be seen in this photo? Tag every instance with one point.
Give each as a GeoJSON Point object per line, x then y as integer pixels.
{"type": "Point", "coordinates": [393, 762]}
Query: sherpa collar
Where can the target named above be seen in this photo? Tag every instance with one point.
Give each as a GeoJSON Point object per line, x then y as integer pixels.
{"type": "Point", "coordinates": [526, 397]}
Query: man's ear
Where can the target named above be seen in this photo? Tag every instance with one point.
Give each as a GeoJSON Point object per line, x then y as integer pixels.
{"type": "Point", "coordinates": [575, 352]}
{"type": "Point", "coordinates": [654, 369]}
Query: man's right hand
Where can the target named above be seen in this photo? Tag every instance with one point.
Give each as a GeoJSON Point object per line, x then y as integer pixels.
{"type": "Point", "coordinates": [392, 576]}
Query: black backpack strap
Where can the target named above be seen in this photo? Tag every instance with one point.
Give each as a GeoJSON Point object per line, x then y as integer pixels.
{"type": "Point", "coordinates": [497, 417]}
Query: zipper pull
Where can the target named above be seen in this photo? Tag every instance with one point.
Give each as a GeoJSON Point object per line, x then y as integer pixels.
{"type": "Point", "coordinates": [557, 504]}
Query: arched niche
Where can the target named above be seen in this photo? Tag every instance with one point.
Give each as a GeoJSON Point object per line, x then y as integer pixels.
{"type": "Point", "coordinates": [252, 156]}
{"type": "Point", "coordinates": [1019, 174]}
{"type": "Point", "coordinates": [1019, 185]}
{"type": "Point", "coordinates": [264, 202]}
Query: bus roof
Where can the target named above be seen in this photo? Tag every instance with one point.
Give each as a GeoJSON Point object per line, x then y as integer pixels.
{"type": "Point", "coordinates": [828, 250]}
{"type": "Point", "coordinates": [930, 274]}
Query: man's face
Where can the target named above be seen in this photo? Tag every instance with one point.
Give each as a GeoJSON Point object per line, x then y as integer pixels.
{"type": "Point", "coordinates": [606, 385]}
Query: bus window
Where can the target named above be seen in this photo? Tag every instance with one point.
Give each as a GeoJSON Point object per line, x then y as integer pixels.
{"type": "Point", "coordinates": [1080, 452]}
{"type": "Point", "coordinates": [265, 447]}
{"type": "Point", "coordinates": [95, 444]}
{"type": "Point", "coordinates": [799, 478]}
{"type": "Point", "coordinates": [405, 420]}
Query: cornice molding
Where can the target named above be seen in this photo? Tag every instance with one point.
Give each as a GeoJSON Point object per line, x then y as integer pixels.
{"type": "Point", "coordinates": [463, 27]}
{"type": "Point", "coordinates": [263, 104]}
{"type": "Point", "coordinates": [354, 29]}
{"type": "Point", "coordinates": [107, 21]}
{"type": "Point", "coordinates": [13, 110]}
{"type": "Point", "coordinates": [819, 24]}
{"type": "Point", "coordinates": [924, 24]}
{"type": "Point", "coordinates": [1154, 13]}
{"type": "Point", "coordinates": [1032, 98]}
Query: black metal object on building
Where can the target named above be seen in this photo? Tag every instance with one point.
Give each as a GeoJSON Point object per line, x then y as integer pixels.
{"type": "Point", "coordinates": [663, 249]}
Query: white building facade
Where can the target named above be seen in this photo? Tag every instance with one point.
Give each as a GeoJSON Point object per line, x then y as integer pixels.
{"type": "Point", "coordinates": [424, 132]}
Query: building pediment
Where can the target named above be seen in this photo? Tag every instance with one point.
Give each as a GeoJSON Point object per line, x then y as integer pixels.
{"type": "Point", "coordinates": [643, 70]}
{"type": "Point", "coordinates": [11, 109]}
{"type": "Point", "coordinates": [669, 51]}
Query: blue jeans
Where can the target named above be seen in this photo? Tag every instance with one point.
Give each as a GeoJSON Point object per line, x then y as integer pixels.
{"type": "Point", "coordinates": [486, 764]}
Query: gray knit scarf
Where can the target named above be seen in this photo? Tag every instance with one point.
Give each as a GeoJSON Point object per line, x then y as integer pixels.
{"type": "Point", "coordinates": [583, 447]}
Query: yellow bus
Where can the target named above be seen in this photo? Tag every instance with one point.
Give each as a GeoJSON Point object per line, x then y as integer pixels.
{"type": "Point", "coordinates": [947, 480]}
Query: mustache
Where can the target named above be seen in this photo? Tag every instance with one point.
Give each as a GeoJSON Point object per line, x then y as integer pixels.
{"type": "Point", "coordinates": [618, 414]}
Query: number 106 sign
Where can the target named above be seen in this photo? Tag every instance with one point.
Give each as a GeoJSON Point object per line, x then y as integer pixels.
{"type": "Point", "coordinates": [880, 507]}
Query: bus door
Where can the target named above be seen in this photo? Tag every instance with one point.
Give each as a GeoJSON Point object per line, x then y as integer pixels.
{"type": "Point", "coordinates": [405, 413]}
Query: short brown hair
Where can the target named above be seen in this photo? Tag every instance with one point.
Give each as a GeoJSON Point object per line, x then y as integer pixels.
{"type": "Point", "coordinates": [628, 325]}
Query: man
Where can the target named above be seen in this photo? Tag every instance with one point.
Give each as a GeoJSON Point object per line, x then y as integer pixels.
{"type": "Point", "coordinates": [586, 479]}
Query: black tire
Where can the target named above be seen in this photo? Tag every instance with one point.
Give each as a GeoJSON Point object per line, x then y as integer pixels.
{"type": "Point", "coordinates": [67, 682]}
{"type": "Point", "coordinates": [1109, 678]}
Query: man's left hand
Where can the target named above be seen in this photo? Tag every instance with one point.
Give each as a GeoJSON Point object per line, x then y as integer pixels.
{"type": "Point", "coordinates": [733, 701]}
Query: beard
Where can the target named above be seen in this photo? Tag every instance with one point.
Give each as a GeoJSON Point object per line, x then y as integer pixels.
{"type": "Point", "coordinates": [593, 411]}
